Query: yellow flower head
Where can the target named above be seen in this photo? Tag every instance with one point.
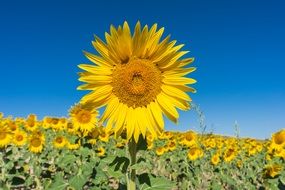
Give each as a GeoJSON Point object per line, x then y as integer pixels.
{"type": "Point", "coordinates": [160, 151]}
{"type": "Point", "coordinates": [229, 154]}
{"type": "Point", "coordinates": [20, 138]}
{"type": "Point", "coordinates": [171, 145]}
{"type": "Point", "coordinates": [59, 142]}
{"type": "Point", "coordinates": [83, 117]}
{"type": "Point", "coordinates": [13, 126]}
{"type": "Point", "coordinates": [5, 136]}
{"type": "Point", "coordinates": [36, 142]}
{"type": "Point", "coordinates": [31, 123]}
{"type": "Point", "coordinates": [278, 139]}
{"type": "Point", "coordinates": [121, 144]}
{"type": "Point", "coordinates": [195, 153]}
{"type": "Point", "coordinates": [71, 146]}
{"type": "Point", "coordinates": [101, 151]}
{"type": "Point", "coordinates": [272, 170]}
{"type": "Point", "coordinates": [138, 77]}
{"type": "Point", "coordinates": [47, 122]}
{"type": "Point", "coordinates": [215, 159]}
{"type": "Point", "coordinates": [104, 136]}
{"type": "Point", "coordinates": [189, 139]}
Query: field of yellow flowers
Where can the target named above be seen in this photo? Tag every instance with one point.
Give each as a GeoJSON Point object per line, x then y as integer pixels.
{"type": "Point", "coordinates": [52, 154]}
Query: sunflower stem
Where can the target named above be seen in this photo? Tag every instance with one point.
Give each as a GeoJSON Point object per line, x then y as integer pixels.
{"type": "Point", "coordinates": [133, 154]}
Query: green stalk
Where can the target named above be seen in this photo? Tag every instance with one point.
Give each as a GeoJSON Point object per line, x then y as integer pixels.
{"type": "Point", "coordinates": [133, 154]}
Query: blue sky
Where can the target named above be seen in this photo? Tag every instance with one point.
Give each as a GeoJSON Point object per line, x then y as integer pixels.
{"type": "Point", "coordinates": [238, 47]}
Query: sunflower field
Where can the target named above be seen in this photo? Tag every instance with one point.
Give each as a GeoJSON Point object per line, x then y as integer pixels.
{"type": "Point", "coordinates": [138, 80]}
{"type": "Point", "coordinates": [52, 154]}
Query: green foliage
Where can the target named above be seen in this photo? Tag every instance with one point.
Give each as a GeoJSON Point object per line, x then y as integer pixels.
{"type": "Point", "coordinates": [84, 168]}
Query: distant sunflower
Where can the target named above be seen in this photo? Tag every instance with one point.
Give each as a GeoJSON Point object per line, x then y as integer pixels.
{"type": "Point", "coordinates": [160, 151]}
{"type": "Point", "coordinates": [36, 142]}
{"type": "Point", "coordinates": [195, 153]}
{"type": "Point", "coordinates": [278, 140]}
{"type": "Point", "coordinates": [272, 170]}
{"type": "Point", "coordinates": [20, 138]}
{"type": "Point", "coordinates": [215, 159]}
{"type": "Point", "coordinates": [59, 142]}
{"type": "Point", "coordinates": [31, 123]}
{"type": "Point", "coordinates": [5, 136]}
{"type": "Point", "coordinates": [137, 78]}
{"type": "Point", "coordinates": [101, 151]}
{"type": "Point", "coordinates": [72, 146]}
{"type": "Point", "coordinates": [83, 117]}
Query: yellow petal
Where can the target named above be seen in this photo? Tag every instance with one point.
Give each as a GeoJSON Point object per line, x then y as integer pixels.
{"type": "Point", "coordinates": [121, 116]}
{"type": "Point", "coordinates": [130, 123]}
{"type": "Point", "coordinates": [186, 61]}
{"type": "Point", "coordinates": [95, 69]}
{"type": "Point", "coordinates": [167, 108]}
{"type": "Point", "coordinates": [157, 114]}
{"type": "Point", "coordinates": [111, 107]}
{"type": "Point", "coordinates": [175, 92]}
{"type": "Point", "coordinates": [97, 60]}
{"type": "Point", "coordinates": [178, 80]}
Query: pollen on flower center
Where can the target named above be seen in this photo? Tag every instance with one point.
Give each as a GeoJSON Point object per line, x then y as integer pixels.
{"type": "Point", "coordinates": [279, 139]}
{"type": "Point", "coordinates": [2, 135]}
{"type": "Point", "coordinates": [59, 140]}
{"type": "Point", "coordinates": [19, 138]}
{"type": "Point", "coordinates": [83, 116]}
{"type": "Point", "coordinates": [136, 83]}
{"type": "Point", "coordinates": [36, 142]}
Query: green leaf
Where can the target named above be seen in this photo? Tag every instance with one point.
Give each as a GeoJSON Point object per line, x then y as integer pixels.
{"type": "Point", "coordinates": [120, 163]}
{"type": "Point", "coordinates": [84, 152]}
{"type": "Point", "coordinates": [155, 183]}
{"type": "Point", "coordinates": [58, 184]}
{"type": "Point", "coordinates": [66, 160]}
{"type": "Point", "coordinates": [77, 181]}
{"type": "Point", "coordinates": [116, 174]}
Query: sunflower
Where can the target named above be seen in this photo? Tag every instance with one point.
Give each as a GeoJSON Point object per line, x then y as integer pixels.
{"type": "Point", "coordinates": [137, 78]}
{"type": "Point", "coordinates": [272, 170]}
{"type": "Point", "coordinates": [278, 140]}
{"type": "Point", "coordinates": [215, 159]}
{"type": "Point", "coordinates": [171, 145]}
{"type": "Point", "coordinates": [31, 123]}
{"type": "Point", "coordinates": [104, 136]}
{"type": "Point", "coordinates": [159, 151]}
{"type": "Point", "coordinates": [36, 142]}
{"type": "Point", "coordinates": [20, 138]}
{"type": "Point", "coordinates": [189, 139]}
{"type": "Point", "coordinates": [100, 151]}
{"type": "Point", "coordinates": [13, 126]}
{"type": "Point", "coordinates": [72, 146]}
{"type": "Point", "coordinates": [229, 154]}
{"type": "Point", "coordinates": [5, 136]}
{"type": "Point", "coordinates": [195, 153]}
{"type": "Point", "coordinates": [83, 117]}
{"type": "Point", "coordinates": [59, 142]}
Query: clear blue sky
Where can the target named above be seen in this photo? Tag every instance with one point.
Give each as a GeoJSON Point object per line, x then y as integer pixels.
{"type": "Point", "coordinates": [238, 45]}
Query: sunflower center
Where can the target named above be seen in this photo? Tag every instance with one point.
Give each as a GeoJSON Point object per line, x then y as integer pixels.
{"type": "Point", "coordinates": [136, 83]}
{"type": "Point", "coordinates": [2, 135]}
{"type": "Point", "coordinates": [36, 142]}
{"type": "Point", "coordinates": [83, 116]}
{"type": "Point", "coordinates": [279, 138]}
{"type": "Point", "coordinates": [19, 138]}
{"type": "Point", "coordinates": [59, 140]}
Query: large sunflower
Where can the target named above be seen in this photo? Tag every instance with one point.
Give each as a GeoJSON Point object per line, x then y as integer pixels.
{"type": "Point", "coordinates": [137, 78]}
